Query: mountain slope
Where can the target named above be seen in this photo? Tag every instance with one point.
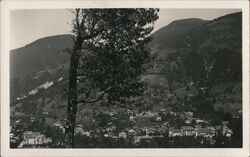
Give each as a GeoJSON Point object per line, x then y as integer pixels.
{"type": "Point", "coordinates": [223, 32]}
{"type": "Point", "coordinates": [181, 46]}
{"type": "Point", "coordinates": [167, 35]}
{"type": "Point", "coordinates": [42, 54]}
{"type": "Point", "coordinates": [178, 33]}
{"type": "Point", "coordinates": [194, 42]}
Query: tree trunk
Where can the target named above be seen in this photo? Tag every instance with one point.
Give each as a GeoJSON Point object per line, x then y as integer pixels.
{"type": "Point", "coordinates": [72, 96]}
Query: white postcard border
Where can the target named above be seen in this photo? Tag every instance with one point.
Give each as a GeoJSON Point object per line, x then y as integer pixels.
{"type": "Point", "coordinates": [6, 6]}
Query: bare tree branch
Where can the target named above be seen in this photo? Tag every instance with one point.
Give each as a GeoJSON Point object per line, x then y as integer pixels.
{"type": "Point", "coordinates": [92, 35]}
{"type": "Point", "coordinates": [77, 17]}
{"type": "Point", "coordinates": [88, 93]}
{"type": "Point", "coordinates": [92, 101]}
{"type": "Point", "coordinates": [71, 10]}
{"type": "Point", "coordinates": [126, 106]}
{"type": "Point", "coordinates": [82, 75]}
{"type": "Point", "coordinates": [68, 50]}
{"type": "Point", "coordinates": [82, 22]}
{"type": "Point", "coordinates": [95, 100]}
{"type": "Point", "coordinates": [65, 90]}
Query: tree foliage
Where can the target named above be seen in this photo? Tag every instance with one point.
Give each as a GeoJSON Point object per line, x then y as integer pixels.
{"type": "Point", "coordinates": [110, 52]}
{"type": "Point", "coordinates": [112, 61]}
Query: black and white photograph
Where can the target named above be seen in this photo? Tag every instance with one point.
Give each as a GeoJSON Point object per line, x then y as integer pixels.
{"type": "Point", "coordinates": [126, 78]}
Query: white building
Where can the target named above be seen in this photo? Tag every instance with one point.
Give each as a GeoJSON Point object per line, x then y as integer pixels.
{"type": "Point", "coordinates": [33, 138]}
{"type": "Point", "coordinates": [175, 132]}
{"type": "Point", "coordinates": [58, 124]}
{"type": "Point", "coordinates": [158, 119]}
{"type": "Point", "coordinates": [131, 132]}
{"type": "Point", "coordinates": [122, 135]}
{"type": "Point", "coordinates": [188, 131]}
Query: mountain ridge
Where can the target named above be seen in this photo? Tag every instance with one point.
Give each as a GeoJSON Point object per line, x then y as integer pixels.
{"type": "Point", "coordinates": [177, 73]}
{"type": "Point", "coordinates": [169, 48]}
{"type": "Point", "coordinates": [39, 55]}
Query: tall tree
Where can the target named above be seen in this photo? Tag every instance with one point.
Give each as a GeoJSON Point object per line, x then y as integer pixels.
{"type": "Point", "coordinates": [109, 54]}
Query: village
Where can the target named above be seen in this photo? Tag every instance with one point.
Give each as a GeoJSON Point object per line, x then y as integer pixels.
{"type": "Point", "coordinates": [162, 119]}
{"type": "Point", "coordinates": [144, 126]}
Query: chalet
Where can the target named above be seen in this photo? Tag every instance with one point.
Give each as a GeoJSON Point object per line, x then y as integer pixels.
{"type": "Point", "coordinates": [45, 113]}
{"type": "Point", "coordinates": [187, 130]}
{"type": "Point", "coordinates": [132, 118]}
{"type": "Point", "coordinates": [11, 135]}
{"type": "Point", "coordinates": [17, 138]}
{"type": "Point", "coordinates": [158, 119]}
{"type": "Point", "coordinates": [173, 113]}
{"type": "Point", "coordinates": [129, 112]}
{"type": "Point", "coordinates": [122, 135]}
{"type": "Point", "coordinates": [59, 125]}
{"type": "Point", "coordinates": [32, 119]}
{"type": "Point", "coordinates": [145, 138]}
{"type": "Point", "coordinates": [225, 123]}
{"type": "Point", "coordinates": [131, 132]}
{"type": "Point", "coordinates": [201, 132]}
{"type": "Point", "coordinates": [18, 121]}
{"type": "Point", "coordinates": [12, 140]}
{"type": "Point", "coordinates": [149, 131]}
{"type": "Point", "coordinates": [211, 129]}
{"type": "Point", "coordinates": [188, 121]}
{"type": "Point", "coordinates": [166, 124]}
{"type": "Point", "coordinates": [163, 110]}
{"type": "Point", "coordinates": [110, 134]}
{"type": "Point", "coordinates": [137, 139]}
{"type": "Point", "coordinates": [109, 129]}
{"type": "Point", "coordinates": [175, 132]}
{"type": "Point", "coordinates": [78, 130]}
{"type": "Point", "coordinates": [199, 122]}
{"type": "Point", "coordinates": [228, 133]}
{"type": "Point", "coordinates": [79, 125]}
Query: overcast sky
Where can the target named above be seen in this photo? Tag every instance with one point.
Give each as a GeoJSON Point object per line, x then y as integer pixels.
{"type": "Point", "coordinates": [27, 26]}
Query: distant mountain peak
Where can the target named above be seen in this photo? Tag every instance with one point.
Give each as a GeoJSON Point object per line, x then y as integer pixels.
{"type": "Point", "coordinates": [232, 15]}
{"type": "Point", "coordinates": [185, 21]}
{"type": "Point", "coordinates": [45, 53]}
{"type": "Point", "coordinates": [177, 24]}
{"type": "Point", "coordinates": [174, 28]}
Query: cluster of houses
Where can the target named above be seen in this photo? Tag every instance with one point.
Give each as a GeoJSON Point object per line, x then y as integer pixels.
{"type": "Point", "coordinates": [157, 128]}
{"type": "Point", "coordinates": [146, 126]}
{"type": "Point", "coordinates": [192, 131]}
{"type": "Point", "coordinates": [34, 139]}
{"type": "Point", "coordinates": [13, 138]}
{"type": "Point", "coordinates": [193, 126]}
